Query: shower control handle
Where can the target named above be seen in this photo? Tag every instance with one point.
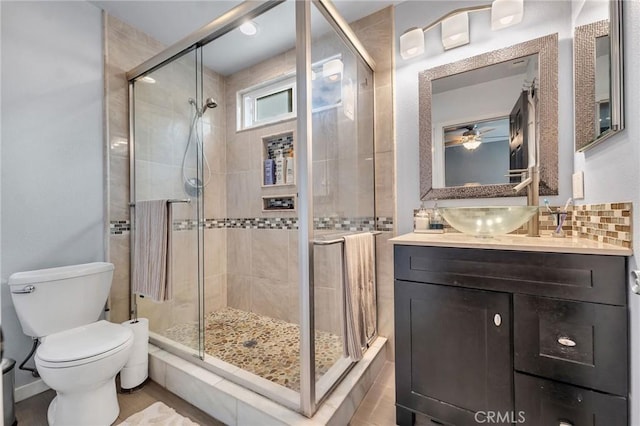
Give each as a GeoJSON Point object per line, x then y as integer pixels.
{"type": "Point", "coordinates": [25, 290]}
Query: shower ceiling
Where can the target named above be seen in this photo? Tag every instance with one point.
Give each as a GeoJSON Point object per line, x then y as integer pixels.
{"type": "Point", "coordinates": [170, 21]}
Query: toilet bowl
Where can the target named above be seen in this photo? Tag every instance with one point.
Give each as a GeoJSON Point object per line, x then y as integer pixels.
{"type": "Point", "coordinates": [80, 365]}
{"type": "Point", "coordinates": [79, 356]}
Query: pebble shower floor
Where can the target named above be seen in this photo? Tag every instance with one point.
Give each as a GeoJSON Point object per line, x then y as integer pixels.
{"type": "Point", "coordinates": [264, 346]}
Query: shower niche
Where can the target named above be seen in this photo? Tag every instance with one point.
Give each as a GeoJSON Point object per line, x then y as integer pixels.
{"type": "Point", "coordinates": [273, 147]}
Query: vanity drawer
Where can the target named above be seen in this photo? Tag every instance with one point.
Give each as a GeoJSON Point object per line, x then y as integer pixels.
{"type": "Point", "coordinates": [543, 402]}
{"type": "Point", "coordinates": [579, 343]}
{"type": "Point", "coordinates": [589, 278]}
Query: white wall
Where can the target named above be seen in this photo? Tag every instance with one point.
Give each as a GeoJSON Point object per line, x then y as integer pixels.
{"type": "Point", "coordinates": [611, 174]}
{"type": "Point", "coordinates": [52, 145]}
{"type": "Point", "coordinates": [540, 18]}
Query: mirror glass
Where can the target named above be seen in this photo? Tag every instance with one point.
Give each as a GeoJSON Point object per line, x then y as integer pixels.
{"type": "Point", "coordinates": [484, 123]}
{"type": "Point", "coordinates": [486, 119]}
{"type": "Point", "coordinates": [598, 101]}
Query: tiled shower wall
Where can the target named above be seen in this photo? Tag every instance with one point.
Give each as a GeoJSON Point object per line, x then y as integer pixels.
{"type": "Point", "coordinates": [125, 47]}
{"type": "Point", "coordinates": [376, 34]}
{"type": "Point", "coordinates": [164, 119]}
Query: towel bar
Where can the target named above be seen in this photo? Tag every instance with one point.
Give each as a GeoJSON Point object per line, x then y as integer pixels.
{"type": "Point", "coordinates": [185, 200]}
{"type": "Point", "coordinates": [337, 240]}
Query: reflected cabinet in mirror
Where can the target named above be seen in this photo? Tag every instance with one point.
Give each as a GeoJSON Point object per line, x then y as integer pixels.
{"type": "Point", "coordinates": [598, 72]}
{"type": "Point", "coordinates": [486, 119]}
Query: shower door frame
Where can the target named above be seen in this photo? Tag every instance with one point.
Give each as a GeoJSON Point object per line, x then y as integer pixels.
{"type": "Point", "coordinates": [220, 26]}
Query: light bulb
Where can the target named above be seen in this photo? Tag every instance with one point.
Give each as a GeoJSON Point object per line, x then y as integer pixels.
{"type": "Point", "coordinates": [249, 28]}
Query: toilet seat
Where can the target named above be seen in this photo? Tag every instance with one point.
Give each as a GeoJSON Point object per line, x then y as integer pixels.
{"type": "Point", "coordinates": [83, 345]}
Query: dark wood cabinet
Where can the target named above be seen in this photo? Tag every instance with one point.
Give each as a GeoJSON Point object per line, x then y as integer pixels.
{"type": "Point", "coordinates": [458, 359]}
{"type": "Point", "coordinates": [544, 402]}
{"type": "Point", "coordinates": [525, 337]}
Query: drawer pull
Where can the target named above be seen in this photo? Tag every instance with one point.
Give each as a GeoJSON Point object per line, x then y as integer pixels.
{"type": "Point", "coordinates": [497, 320]}
{"type": "Point", "coordinates": [565, 341]}
{"type": "Point", "coordinates": [563, 423]}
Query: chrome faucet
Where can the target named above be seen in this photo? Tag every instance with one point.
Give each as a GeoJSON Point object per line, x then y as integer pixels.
{"type": "Point", "coordinates": [531, 181]}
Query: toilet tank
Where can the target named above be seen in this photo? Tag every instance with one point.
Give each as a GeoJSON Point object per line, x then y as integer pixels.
{"type": "Point", "coordinates": [51, 300]}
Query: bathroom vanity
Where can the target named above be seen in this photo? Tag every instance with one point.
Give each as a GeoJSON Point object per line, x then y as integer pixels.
{"type": "Point", "coordinates": [510, 330]}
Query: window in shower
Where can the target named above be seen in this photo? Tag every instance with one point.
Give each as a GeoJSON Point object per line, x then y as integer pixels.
{"type": "Point", "coordinates": [275, 100]}
{"type": "Point", "coordinates": [268, 102]}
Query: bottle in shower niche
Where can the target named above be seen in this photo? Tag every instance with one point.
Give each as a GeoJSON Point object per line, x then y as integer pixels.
{"type": "Point", "coordinates": [289, 175]}
{"type": "Point", "coordinates": [269, 171]}
{"type": "Point", "coordinates": [280, 167]}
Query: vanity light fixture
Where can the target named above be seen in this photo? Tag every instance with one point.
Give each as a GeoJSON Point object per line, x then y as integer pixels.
{"type": "Point", "coordinates": [455, 26]}
{"type": "Point", "coordinates": [412, 43]}
{"type": "Point", "coordinates": [249, 28]}
{"type": "Point", "coordinates": [332, 70]}
{"type": "Point", "coordinates": [505, 13]}
{"type": "Point", "coordinates": [455, 31]}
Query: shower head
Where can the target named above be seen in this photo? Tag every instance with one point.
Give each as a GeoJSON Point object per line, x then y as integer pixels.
{"type": "Point", "coordinates": [209, 103]}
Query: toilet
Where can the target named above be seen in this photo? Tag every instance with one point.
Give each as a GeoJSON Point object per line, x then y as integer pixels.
{"type": "Point", "coordinates": [78, 355]}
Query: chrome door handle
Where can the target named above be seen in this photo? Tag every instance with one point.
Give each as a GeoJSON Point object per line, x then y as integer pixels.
{"type": "Point", "coordinates": [25, 290]}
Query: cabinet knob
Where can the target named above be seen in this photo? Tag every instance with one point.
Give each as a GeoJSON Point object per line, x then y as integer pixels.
{"type": "Point", "coordinates": [497, 320]}
{"type": "Point", "coordinates": [565, 341]}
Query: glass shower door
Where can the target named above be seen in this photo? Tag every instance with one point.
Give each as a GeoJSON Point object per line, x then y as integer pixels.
{"type": "Point", "coordinates": [167, 165]}
{"type": "Point", "coordinates": [342, 111]}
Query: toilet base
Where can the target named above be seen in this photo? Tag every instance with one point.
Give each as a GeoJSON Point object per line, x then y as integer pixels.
{"type": "Point", "coordinates": [97, 407]}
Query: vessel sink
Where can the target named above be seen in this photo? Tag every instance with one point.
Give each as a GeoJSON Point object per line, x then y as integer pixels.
{"type": "Point", "coordinates": [487, 221]}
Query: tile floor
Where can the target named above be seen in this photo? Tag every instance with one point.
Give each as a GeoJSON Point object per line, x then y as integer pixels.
{"type": "Point", "coordinates": [33, 411]}
{"type": "Point", "coordinates": [377, 408]}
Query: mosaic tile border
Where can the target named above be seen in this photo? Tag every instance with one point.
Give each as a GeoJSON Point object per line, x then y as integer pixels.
{"type": "Point", "coordinates": [119, 227]}
{"type": "Point", "coordinates": [607, 223]}
{"type": "Point", "coordinates": [386, 224]}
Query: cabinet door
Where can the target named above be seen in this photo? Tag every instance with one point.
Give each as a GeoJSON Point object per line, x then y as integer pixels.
{"type": "Point", "coordinates": [542, 402]}
{"type": "Point", "coordinates": [453, 351]}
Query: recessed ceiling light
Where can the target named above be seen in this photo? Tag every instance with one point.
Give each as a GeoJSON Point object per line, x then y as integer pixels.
{"type": "Point", "coordinates": [249, 28]}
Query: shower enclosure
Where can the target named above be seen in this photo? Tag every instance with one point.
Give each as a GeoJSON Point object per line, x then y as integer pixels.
{"type": "Point", "coordinates": [260, 136]}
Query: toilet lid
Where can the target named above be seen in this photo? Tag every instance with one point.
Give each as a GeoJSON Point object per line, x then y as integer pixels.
{"type": "Point", "coordinates": [83, 342]}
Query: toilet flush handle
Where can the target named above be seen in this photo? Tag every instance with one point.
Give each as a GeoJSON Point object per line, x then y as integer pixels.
{"type": "Point", "coordinates": [25, 290]}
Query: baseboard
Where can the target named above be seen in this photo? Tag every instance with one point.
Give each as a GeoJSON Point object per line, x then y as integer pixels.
{"type": "Point", "coordinates": [30, 389]}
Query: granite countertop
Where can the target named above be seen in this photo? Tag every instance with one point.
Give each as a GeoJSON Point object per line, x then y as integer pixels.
{"type": "Point", "coordinates": [544, 243]}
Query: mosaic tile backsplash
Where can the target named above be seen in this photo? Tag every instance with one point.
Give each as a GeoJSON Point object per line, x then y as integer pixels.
{"type": "Point", "coordinates": [607, 223]}
{"type": "Point", "coordinates": [119, 227]}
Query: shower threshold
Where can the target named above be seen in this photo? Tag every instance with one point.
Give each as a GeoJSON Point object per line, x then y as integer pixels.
{"type": "Point", "coordinates": [230, 395]}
